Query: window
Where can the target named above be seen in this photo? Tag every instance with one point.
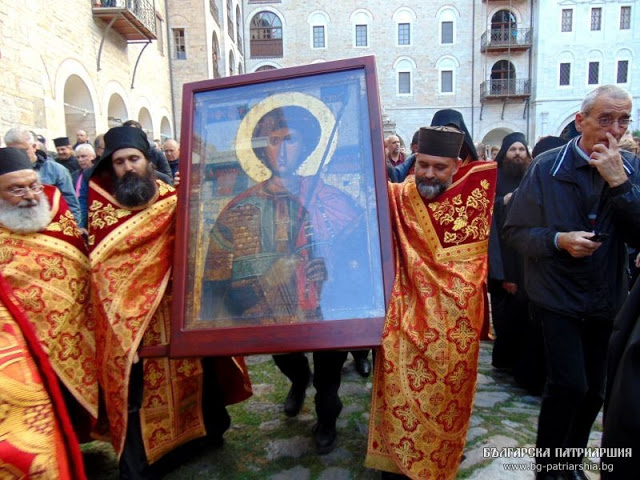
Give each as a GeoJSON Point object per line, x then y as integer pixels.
{"type": "Point", "coordinates": [594, 73]}
{"type": "Point", "coordinates": [231, 63]}
{"type": "Point", "coordinates": [265, 33]}
{"type": "Point", "coordinates": [447, 32]}
{"type": "Point", "coordinates": [238, 29]}
{"type": "Point", "coordinates": [446, 81]}
{"type": "Point", "coordinates": [215, 52]}
{"type": "Point", "coordinates": [404, 83]}
{"type": "Point", "coordinates": [318, 36]}
{"type": "Point", "coordinates": [361, 36]}
{"type": "Point", "coordinates": [565, 74]}
{"type": "Point", "coordinates": [404, 34]}
{"type": "Point", "coordinates": [567, 20]}
{"type": "Point", "coordinates": [230, 18]}
{"type": "Point", "coordinates": [623, 71]}
{"type": "Point", "coordinates": [596, 18]}
{"type": "Point", "coordinates": [179, 45]}
{"type": "Point", "coordinates": [625, 18]}
{"type": "Point", "coordinates": [159, 34]}
{"type": "Point", "coordinates": [213, 8]}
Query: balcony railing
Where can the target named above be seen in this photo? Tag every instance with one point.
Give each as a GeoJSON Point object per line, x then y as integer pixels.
{"type": "Point", "coordinates": [267, 48]}
{"type": "Point", "coordinates": [133, 19]}
{"type": "Point", "coordinates": [515, 87]}
{"type": "Point", "coordinates": [504, 38]}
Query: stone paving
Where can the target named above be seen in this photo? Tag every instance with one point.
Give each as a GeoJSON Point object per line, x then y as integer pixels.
{"type": "Point", "coordinates": [263, 443]}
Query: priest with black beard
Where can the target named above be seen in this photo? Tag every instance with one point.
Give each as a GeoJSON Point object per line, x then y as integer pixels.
{"type": "Point", "coordinates": [154, 404]}
{"type": "Point", "coordinates": [509, 302]}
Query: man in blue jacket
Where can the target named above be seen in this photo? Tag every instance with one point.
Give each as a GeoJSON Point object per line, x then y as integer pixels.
{"type": "Point", "coordinates": [574, 211]}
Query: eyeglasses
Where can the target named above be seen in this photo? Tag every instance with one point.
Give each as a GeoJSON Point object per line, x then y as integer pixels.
{"type": "Point", "coordinates": [34, 188]}
{"type": "Point", "coordinates": [607, 121]}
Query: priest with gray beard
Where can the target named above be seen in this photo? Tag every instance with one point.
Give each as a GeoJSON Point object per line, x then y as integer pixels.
{"type": "Point", "coordinates": [23, 207]}
{"type": "Point", "coordinates": [44, 289]}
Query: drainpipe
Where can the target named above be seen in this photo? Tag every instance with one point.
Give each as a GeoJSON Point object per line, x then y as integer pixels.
{"type": "Point", "coordinates": [473, 66]}
{"type": "Point", "coordinates": [530, 75]}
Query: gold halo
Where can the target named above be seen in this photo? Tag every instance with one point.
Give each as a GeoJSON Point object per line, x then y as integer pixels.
{"type": "Point", "coordinates": [248, 159]}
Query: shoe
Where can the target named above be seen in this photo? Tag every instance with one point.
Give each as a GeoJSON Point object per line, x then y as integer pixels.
{"type": "Point", "coordinates": [295, 399]}
{"type": "Point", "coordinates": [363, 366]}
{"type": "Point", "coordinates": [324, 436]}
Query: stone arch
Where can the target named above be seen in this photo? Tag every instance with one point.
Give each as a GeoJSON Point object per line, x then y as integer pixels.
{"type": "Point", "coordinates": [86, 96]}
{"type": "Point", "coordinates": [79, 110]}
{"type": "Point", "coordinates": [117, 112]}
{"type": "Point", "coordinates": [495, 135]}
{"type": "Point", "coordinates": [144, 117]}
{"type": "Point", "coordinates": [165, 128]}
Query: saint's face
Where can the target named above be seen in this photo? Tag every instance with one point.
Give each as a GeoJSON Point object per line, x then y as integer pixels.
{"type": "Point", "coordinates": [283, 150]}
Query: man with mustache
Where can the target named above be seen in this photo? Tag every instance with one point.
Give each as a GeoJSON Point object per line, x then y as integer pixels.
{"type": "Point", "coordinates": [153, 404]}
{"type": "Point", "coordinates": [425, 370]}
{"type": "Point", "coordinates": [509, 304]}
{"type": "Point", "coordinates": [47, 342]}
{"type": "Point", "coordinates": [575, 280]}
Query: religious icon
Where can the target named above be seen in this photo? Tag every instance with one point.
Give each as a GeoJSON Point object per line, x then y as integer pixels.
{"type": "Point", "coordinates": [282, 225]}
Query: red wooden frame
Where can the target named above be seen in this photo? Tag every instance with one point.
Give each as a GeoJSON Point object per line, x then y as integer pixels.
{"type": "Point", "coordinates": [352, 333]}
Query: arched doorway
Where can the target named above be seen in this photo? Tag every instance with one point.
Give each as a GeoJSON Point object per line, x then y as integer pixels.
{"type": "Point", "coordinates": [503, 24]}
{"type": "Point", "coordinates": [144, 117]}
{"type": "Point", "coordinates": [79, 112]}
{"type": "Point", "coordinates": [494, 137]}
{"type": "Point", "coordinates": [265, 35]}
{"type": "Point", "coordinates": [117, 111]}
{"type": "Point", "coordinates": [503, 76]}
{"type": "Point", "coordinates": [165, 129]}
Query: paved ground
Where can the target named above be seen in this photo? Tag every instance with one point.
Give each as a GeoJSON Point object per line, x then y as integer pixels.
{"type": "Point", "coordinates": [263, 443]}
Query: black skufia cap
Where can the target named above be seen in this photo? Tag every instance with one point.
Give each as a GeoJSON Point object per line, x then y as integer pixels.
{"type": "Point", "coordinates": [13, 160]}
{"type": "Point", "coordinates": [440, 141]}
{"type": "Point", "coordinates": [61, 142]}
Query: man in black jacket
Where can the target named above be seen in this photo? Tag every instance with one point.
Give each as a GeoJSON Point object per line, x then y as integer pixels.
{"type": "Point", "coordinates": [576, 280]}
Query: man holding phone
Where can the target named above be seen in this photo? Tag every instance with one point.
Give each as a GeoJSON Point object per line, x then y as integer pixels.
{"type": "Point", "coordinates": [571, 216]}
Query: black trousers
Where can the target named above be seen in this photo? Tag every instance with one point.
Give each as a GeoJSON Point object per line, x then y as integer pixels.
{"type": "Point", "coordinates": [133, 462]}
{"type": "Point", "coordinates": [327, 374]}
{"type": "Point", "coordinates": [575, 358]}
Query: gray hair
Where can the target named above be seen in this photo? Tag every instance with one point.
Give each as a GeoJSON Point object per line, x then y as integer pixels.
{"type": "Point", "coordinates": [612, 91]}
{"type": "Point", "coordinates": [85, 147]}
{"type": "Point", "coordinates": [19, 135]}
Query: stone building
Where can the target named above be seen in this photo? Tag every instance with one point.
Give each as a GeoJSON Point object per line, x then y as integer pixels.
{"type": "Point", "coordinates": [84, 64]}
{"type": "Point", "coordinates": [580, 45]}
{"type": "Point", "coordinates": [206, 39]}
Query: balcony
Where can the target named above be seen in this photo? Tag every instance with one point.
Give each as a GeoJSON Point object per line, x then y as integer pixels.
{"type": "Point", "coordinates": [266, 48]}
{"type": "Point", "coordinates": [499, 39]}
{"type": "Point", "coordinates": [504, 89]}
{"type": "Point", "coordinates": [135, 20]}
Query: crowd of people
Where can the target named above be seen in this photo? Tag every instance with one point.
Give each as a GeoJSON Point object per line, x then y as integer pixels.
{"type": "Point", "coordinates": [536, 243]}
